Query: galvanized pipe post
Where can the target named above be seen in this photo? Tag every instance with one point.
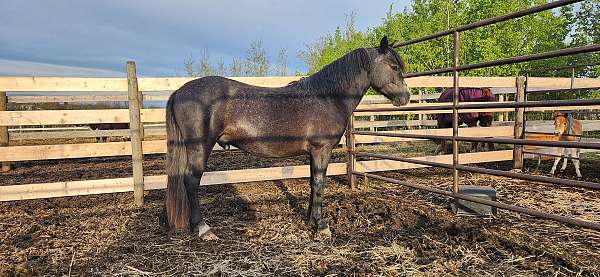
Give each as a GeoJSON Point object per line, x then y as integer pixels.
{"type": "Point", "coordinates": [572, 77]}
{"type": "Point", "coordinates": [455, 97]}
{"type": "Point", "coordinates": [135, 125]}
{"type": "Point", "coordinates": [501, 116]}
{"type": "Point", "coordinates": [420, 114]}
{"type": "Point", "coordinates": [351, 148]}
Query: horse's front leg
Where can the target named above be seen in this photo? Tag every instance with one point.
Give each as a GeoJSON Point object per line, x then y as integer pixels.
{"type": "Point", "coordinates": [556, 161]}
{"type": "Point", "coordinates": [566, 154]}
{"type": "Point", "coordinates": [319, 159]}
{"type": "Point", "coordinates": [576, 162]}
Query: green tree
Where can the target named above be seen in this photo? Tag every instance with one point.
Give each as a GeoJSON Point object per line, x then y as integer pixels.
{"type": "Point", "coordinates": [281, 68]}
{"type": "Point", "coordinates": [541, 32]}
{"type": "Point", "coordinates": [257, 63]}
{"type": "Point", "coordinates": [204, 66]}
{"type": "Point", "coordinates": [188, 65]}
{"type": "Point", "coordinates": [220, 69]}
{"type": "Point", "coordinates": [332, 46]}
{"type": "Point", "coordinates": [235, 69]}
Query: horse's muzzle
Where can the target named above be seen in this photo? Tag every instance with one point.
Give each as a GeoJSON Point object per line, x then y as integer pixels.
{"type": "Point", "coordinates": [400, 101]}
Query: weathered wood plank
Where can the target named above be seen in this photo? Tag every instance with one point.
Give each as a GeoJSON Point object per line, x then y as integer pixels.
{"type": "Point", "coordinates": [73, 188]}
{"type": "Point", "coordinates": [57, 117]}
{"type": "Point", "coordinates": [49, 84]}
{"type": "Point", "coordinates": [81, 150]}
{"type": "Point", "coordinates": [503, 131]}
{"type": "Point", "coordinates": [394, 123]}
{"type": "Point", "coordinates": [68, 151]}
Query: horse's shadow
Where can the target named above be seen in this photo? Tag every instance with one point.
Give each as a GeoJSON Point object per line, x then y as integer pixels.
{"type": "Point", "coordinates": [296, 203]}
{"type": "Point", "coordinates": [145, 247]}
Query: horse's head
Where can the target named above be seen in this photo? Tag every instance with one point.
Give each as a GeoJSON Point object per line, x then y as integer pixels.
{"type": "Point", "coordinates": [486, 119]}
{"type": "Point", "coordinates": [487, 95]}
{"type": "Point", "coordinates": [386, 74]}
{"type": "Point", "coordinates": [560, 123]}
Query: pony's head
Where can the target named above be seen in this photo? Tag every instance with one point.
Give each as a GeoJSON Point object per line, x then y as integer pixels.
{"type": "Point", "coordinates": [386, 74]}
{"type": "Point", "coordinates": [560, 123]}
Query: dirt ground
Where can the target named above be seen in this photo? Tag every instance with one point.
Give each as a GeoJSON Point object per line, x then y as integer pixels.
{"type": "Point", "coordinates": [378, 229]}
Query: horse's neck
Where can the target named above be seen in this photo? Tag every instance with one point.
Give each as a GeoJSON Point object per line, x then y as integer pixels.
{"type": "Point", "coordinates": [346, 80]}
{"type": "Point", "coordinates": [346, 94]}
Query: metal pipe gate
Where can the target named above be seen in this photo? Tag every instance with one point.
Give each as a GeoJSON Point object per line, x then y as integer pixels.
{"type": "Point", "coordinates": [518, 141]}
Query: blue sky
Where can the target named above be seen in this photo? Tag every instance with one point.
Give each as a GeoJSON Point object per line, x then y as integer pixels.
{"type": "Point", "coordinates": [95, 38]}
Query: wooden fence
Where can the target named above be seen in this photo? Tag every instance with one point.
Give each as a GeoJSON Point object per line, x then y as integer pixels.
{"type": "Point", "coordinates": [139, 89]}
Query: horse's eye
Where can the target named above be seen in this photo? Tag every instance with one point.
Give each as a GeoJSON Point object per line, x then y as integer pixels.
{"type": "Point", "coordinates": [394, 67]}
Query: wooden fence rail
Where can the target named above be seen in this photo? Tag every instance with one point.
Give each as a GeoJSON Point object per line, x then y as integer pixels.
{"type": "Point", "coordinates": [73, 188]}
{"type": "Point", "coordinates": [88, 88]}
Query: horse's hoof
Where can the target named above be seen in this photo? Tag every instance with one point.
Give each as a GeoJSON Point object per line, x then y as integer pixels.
{"type": "Point", "coordinates": [206, 234]}
{"type": "Point", "coordinates": [209, 236]}
{"type": "Point", "coordinates": [323, 234]}
{"type": "Point", "coordinates": [163, 222]}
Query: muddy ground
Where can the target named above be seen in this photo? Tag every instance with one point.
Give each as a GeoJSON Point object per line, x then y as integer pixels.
{"type": "Point", "coordinates": [379, 229]}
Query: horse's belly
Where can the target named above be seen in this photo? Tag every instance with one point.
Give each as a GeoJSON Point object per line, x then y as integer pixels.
{"type": "Point", "coordinates": [272, 149]}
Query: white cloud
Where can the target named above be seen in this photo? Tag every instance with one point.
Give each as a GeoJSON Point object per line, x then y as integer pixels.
{"type": "Point", "coordinates": [159, 35]}
{"type": "Point", "coordinates": [26, 68]}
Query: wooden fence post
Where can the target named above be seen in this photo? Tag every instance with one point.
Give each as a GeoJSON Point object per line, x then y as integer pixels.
{"type": "Point", "coordinates": [519, 119]}
{"type": "Point", "coordinates": [135, 125]}
{"type": "Point", "coordinates": [351, 148]}
{"type": "Point", "coordinates": [4, 129]}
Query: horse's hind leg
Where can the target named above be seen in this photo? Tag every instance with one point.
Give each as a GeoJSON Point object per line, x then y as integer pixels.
{"type": "Point", "coordinates": [539, 162]}
{"type": "Point", "coordinates": [576, 162]}
{"type": "Point", "coordinates": [475, 146]}
{"type": "Point", "coordinates": [319, 159]}
{"type": "Point", "coordinates": [197, 158]}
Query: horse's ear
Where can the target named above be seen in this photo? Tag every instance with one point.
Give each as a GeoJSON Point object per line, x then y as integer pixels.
{"type": "Point", "coordinates": [383, 45]}
{"type": "Point", "coordinates": [558, 114]}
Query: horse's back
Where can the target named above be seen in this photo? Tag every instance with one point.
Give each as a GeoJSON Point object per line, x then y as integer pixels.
{"type": "Point", "coordinates": [274, 122]}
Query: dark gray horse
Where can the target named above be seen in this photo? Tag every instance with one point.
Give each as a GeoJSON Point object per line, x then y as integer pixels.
{"type": "Point", "coordinates": [305, 117]}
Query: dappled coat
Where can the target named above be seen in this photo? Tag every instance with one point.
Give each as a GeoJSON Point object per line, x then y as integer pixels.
{"type": "Point", "coordinates": [467, 95]}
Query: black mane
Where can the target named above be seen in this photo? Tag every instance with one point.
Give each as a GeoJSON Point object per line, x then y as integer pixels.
{"type": "Point", "coordinates": [338, 74]}
{"type": "Point", "coordinates": [341, 72]}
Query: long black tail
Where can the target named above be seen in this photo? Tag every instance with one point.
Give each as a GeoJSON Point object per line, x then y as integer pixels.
{"type": "Point", "coordinates": [177, 202]}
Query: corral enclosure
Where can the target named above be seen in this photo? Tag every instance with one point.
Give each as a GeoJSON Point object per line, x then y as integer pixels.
{"type": "Point", "coordinates": [504, 87]}
{"type": "Point", "coordinates": [66, 206]}
{"type": "Point", "coordinates": [267, 213]}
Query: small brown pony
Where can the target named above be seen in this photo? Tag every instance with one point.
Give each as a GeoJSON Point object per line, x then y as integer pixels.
{"type": "Point", "coordinates": [566, 128]}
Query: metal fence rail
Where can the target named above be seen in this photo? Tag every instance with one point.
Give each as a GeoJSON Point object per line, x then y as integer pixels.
{"type": "Point", "coordinates": [518, 141]}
